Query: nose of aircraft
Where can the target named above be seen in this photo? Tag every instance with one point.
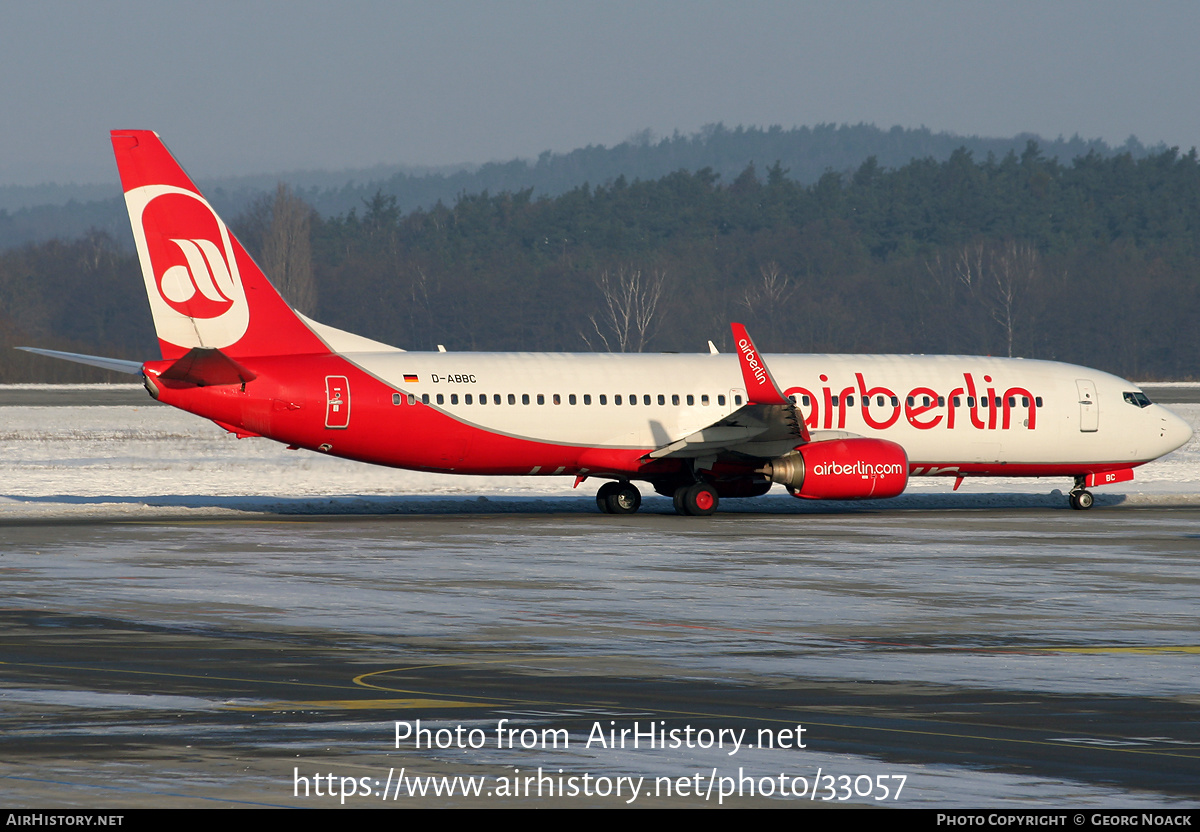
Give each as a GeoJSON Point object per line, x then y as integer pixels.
{"type": "Point", "coordinates": [1174, 432]}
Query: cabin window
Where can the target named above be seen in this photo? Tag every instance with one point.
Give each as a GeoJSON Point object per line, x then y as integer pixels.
{"type": "Point", "coordinates": [646, 399]}
{"type": "Point", "coordinates": [633, 399]}
{"type": "Point", "coordinates": [879, 400]}
{"type": "Point", "coordinates": [617, 399]}
{"type": "Point", "coordinates": [704, 399]}
{"type": "Point", "coordinates": [910, 401]}
{"type": "Point", "coordinates": [467, 399]}
{"type": "Point", "coordinates": [737, 400]}
{"type": "Point", "coordinates": [424, 398]}
{"type": "Point", "coordinates": [834, 401]}
{"type": "Point", "coordinates": [396, 398]}
{"type": "Point", "coordinates": [675, 398]}
{"type": "Point", "coordinates": [1037, 401]}
{"type": "Point", "coordinates": [895, 402]}
{"type": "Point", "coordinates": [587, 398]}
{"type": "Point", "coordinates": [984, 401]}
{"type": "Point", "coordinates": [849, 401]}
{"type": "Point", "coordinates": [721, 401]}
{"type": "Point", "coordinates": [941, 401]}
{"type": "Point", "coordinates": [792, 399]}
{"type": "Point", "coordinates": [1012, 401]}
{"type": "Point", "coordinates": [662, 399]}
{"type": "Point", "coordinates": [603, 399]}
{"type": "Point", "coordinates": [524, 398]}
{"type": "Point", "coordinates": [571, 398]}
{"type": "Point", "coordinates": [453, 398]}
{"type": "Point", "coordinates": [512, 398]}
{"type": "Point", "coordinates": [557, 399]}
{"type": "Point", "coordinates": [541, 398]}
{"type": "Point", "coordinates": [970, 401]}
{"type": "Point", "coordinates": [412, 398]}
{"type": "Point", "coordinates": [441, 399]}
{"type": "Point", "coordinates": [691, 400]}
{"type": "Point", "coordinates": [957, 401]}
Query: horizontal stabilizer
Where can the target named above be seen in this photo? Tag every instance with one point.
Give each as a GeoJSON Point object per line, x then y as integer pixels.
{"type": "Point", "coordinates": [205, 367]}
{"type": "Point", "coordinates": [117, 365]}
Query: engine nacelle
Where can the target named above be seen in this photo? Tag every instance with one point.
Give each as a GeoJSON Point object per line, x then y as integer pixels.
{"type": "Point", "coordinates": [842, 469]}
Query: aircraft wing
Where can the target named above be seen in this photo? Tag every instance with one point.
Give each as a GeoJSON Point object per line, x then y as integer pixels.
{"type": "Point", "coordinates": [754, 430]}
{"type": "Point", "coordinates": [766, 426]}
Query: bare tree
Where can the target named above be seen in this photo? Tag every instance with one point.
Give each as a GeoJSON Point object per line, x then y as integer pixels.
{"type": "Point", "coordinates": [996, 276]}
{"type": "Point", "coordinates": [766, 300]}
{"type": "Point", "coordinates": [287, 250]}
{"type": "Point", "coordinates": [629, 317]}
{"type": "Point", "coordinates": [1015, 266]}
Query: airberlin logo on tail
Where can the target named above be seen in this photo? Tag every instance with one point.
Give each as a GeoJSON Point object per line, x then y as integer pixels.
{"type": "Point", "coordinates": [204, 273]}
{"type": "Point", "coordinates": [189, 266]}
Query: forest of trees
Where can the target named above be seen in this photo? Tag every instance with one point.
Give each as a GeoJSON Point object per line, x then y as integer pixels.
{"type": "Point", "coordinates": [37, 214]}
{"type": "Point", "coordinates": [1094, 261]}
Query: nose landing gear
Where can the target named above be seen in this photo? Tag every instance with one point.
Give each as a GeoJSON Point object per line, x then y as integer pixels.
{"type": "Point", "coordinates": [1080, 498]}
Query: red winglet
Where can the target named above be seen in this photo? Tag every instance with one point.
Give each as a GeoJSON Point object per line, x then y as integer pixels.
{"type": "Point", "coordinates": [760, 385]}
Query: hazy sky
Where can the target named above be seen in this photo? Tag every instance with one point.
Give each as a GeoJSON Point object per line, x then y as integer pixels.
{"type": "Point", "coordinates": [260, 87]}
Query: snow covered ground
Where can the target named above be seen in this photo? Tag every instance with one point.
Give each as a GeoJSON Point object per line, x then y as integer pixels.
{"type": "Point", "coordinates": [155, 460]}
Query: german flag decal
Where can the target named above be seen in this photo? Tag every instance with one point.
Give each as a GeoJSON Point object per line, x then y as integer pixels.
{"type": "Point", "coordinates": [409, 378]}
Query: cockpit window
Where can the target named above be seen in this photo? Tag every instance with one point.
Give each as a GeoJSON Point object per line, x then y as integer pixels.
{"type": "Point", "coordinates": [1139, 399]}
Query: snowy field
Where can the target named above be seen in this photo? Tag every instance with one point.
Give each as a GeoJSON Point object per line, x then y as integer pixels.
{"type": "Point", "coordinates": [155, 460]}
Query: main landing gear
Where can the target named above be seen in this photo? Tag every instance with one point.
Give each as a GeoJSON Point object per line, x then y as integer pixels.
{"type": "Point", "coordinates": [698, 499]}
{"type": "Point", "coordinates": [619, 498]}
{"type": "Point", "coordinates": [1080, 498]}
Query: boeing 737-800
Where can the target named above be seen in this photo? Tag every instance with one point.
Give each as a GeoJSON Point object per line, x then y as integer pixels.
{"type": "Point", "coordinates": [697, 428]}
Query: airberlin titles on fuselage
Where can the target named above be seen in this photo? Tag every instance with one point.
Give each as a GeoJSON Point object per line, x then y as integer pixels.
{"type": "Point", "coordinates": [881, 407]}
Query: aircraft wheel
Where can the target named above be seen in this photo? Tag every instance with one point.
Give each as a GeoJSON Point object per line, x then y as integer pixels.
{"type": "Point", "coordinates": [699, 500]}
{"type": "Point", "coordinates": [624, 498]}
{"type": "Point", "coordinates": [1082, 500]}
{"type": "Point", "coordinates": [680, 498]}
{"type": "Point", "coordinates": [604, 494]}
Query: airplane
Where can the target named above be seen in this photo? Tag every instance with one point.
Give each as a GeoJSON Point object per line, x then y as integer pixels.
{"type": "Point", "coordinates": [696, 428]}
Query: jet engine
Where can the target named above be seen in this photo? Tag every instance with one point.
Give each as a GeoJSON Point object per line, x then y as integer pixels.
{"type": "Point", "coordinates": [842, 469]}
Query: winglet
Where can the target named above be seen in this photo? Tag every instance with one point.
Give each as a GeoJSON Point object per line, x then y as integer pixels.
{"type": "Point", "coordinates": [760, 385]}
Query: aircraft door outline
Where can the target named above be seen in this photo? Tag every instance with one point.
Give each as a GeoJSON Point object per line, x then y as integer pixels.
{"type": "Point", "coordinates": [337, 402]}
{"type": "Point", "coordinates": [1089, 406]}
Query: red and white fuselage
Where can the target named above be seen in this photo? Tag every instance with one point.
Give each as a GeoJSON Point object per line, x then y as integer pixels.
{"type": "Point", "coordinates": [542, 413]}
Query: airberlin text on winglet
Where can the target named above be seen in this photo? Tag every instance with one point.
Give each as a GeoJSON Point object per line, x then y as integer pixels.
{"type": "Point", "coordinates": [752, 360]}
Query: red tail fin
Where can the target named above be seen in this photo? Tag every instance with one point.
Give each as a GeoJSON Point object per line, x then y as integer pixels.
{"type": "Point", "coordinates": [204, 290]}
